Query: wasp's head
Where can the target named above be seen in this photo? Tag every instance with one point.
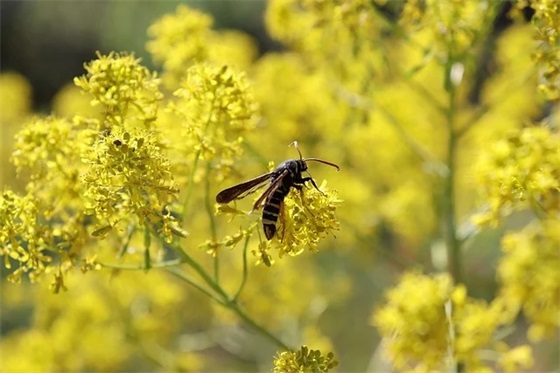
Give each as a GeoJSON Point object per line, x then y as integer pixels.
{"type": "Point", "coordinates": [295, 166]}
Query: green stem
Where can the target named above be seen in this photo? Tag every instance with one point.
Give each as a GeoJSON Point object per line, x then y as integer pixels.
{"type": "Point", "coordinates": [135, 267]}
{"type": "Point", "coordinates": [245, 272]}
{"type": "Point", "coordinates": [213, 230]}
{"type": "Point", "coordinates": [191, 182]}
{"type": "Point", "coordinates": [123, 250]}
{"type": "Point", "coordinates": [216, 292]}
{"type": "Point", "coordinates": [180, 274]}
{"type": "Point", "coordinates": [201, 272]}
{"type": "Point", "coordinates": [223, 297]}
{"type": "Point", "coordinates": [235, 308]}
{"type": "Point", "coordinates": [449, 209]}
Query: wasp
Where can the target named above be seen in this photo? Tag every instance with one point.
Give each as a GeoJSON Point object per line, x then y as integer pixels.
{"type": "Point", "coordinates": [287, 175]}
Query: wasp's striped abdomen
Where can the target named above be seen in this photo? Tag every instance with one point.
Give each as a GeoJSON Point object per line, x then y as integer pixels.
{"type": "Point", "coordinates": [271, 211]}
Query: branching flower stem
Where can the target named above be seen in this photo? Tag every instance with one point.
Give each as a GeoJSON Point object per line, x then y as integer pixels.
{"type": "Point", "coordinates": [183, 276]}
{"type": "Point", "coordinates": [233, 306]}
{"type": "Point", "coordinates": [213, 289]}
{"type": "Point", "coordinates": [231, 303]}
{"type": "Point", "coordinates": [224, 299]}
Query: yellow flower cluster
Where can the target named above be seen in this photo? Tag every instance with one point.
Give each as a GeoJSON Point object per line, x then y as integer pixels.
{"type": "Point", "coordinates": [305, 25]}
{"type": "Point", "coordinates": [454, 25]}
{"type": "Point", "coordinates": [98, 325]}
{"type": "Point", "coordinates": [530, 276]}
{"type": "Point", "coordinates": [128, 175]}
{"type": "Point", "coordinates": [23, 238]}
{"type": "Point", "coordinates": [429, 324]}
{"type": "Point", "coordinates": [521, 171]}
{"type": "Point", "coordinates": [123, 87]}
{"type": "Point", "coordinates": [180, 38]}
{"type": "Point", "coordinates": [308, 217]}
{"type": "Point", "coordinates": [414, 322]}
{"type": "Point", "coordinates": [476, 326]}
{"type": "Point", "coordinates": [216, 108]}
{"type": "Point", "coordinates": [15, 96]}
{"type": "Point", "coordinates": [291, 106]}
{"type": "Point", "coordinates": [546, 21]}
{"type": "Point", "coordinates": [114, 169]}
{"type": "Point", "coordinates": [48, 151]}
{"type": "Point", "coordinates": [50, 148]}
{"type": "Point", "coordinates": [184, 38]}
{"type": "Point", "coordinates": [304, 361]}
{"type": "Point", "coordinates": [338, 38]}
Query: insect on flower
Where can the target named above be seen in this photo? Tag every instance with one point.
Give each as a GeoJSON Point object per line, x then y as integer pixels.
{"type": "Point", "coordinates": [288, 174]}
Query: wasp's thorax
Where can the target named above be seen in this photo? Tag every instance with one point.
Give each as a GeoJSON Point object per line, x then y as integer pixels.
{"type": "Point", "coordinates": [294, 166]}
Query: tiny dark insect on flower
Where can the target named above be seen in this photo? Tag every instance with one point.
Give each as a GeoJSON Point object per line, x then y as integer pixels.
{"type": "Point", "coordinates": [288, 174]}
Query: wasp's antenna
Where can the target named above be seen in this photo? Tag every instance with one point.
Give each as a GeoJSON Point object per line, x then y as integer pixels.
{"type": "Point", "coordinates": [295, 145]}
{"type": "Point", "coordinates": [322, 161]}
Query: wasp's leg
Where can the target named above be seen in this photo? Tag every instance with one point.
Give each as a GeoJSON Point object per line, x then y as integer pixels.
{"type": "Point", "coordinates": [298, 186]}
{"type": "Point", "coordinates": [303, 202]}
{"type": "Point", "coordinates": [283, 221]}
{"type": "Point", "coordinates": [312, 182]}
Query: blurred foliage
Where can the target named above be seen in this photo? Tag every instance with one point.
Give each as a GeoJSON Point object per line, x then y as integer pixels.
{"type": "Point", "coordinates": [445, 128]}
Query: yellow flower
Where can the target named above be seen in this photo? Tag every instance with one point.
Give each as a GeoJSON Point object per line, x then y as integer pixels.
{"type": "Point", "coordinates": [304, 361]}
{"type": "Point", "coordinates": [530, 276]}
{"type": "Point", "coordinates": [129, 175]}
{"type": "Point", "coordinates": [414, 322]}
{"type": "Point", "coordinates": [216, 110]}
{"type": "Point", "coordinates": [517, 358]}
{"type": "Point", "coordinates": [49, 151]}
{"type": "Point", "coordinates": [428, 324]}
{"type": "Point", "coordinates": [51, 148]}
{"type": "Point", "coordinates": [185, 38]}
{"type": "Point", "coordinates": [15, 95]}
{"type": "Point", "coordinates": [23, 239]}
{"type": "Point", "coordinates": [454, 25]}
{"type": "Point", "coordinates": [546, 22]}
{"type": "Point", "coordinates": [180, 39]}
{"type": "Point", "coordinates": [521, 171]}
{"type": "Point", "coordinates": [475, 325]}
{"type": "Point", "coordinates": [317, 26]}
{"type": "Point", "coordinates": [90, 327]}
{"type": "Point", "coordinates": [308, 217]}
{"type": "Point", "coordinates": [122, 87]}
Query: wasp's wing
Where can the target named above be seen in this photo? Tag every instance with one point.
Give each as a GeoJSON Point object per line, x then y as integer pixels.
{"type": "Point", "coordinates": [242, 190]}
{"type": "Point", "coordinates": [258, 204]}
